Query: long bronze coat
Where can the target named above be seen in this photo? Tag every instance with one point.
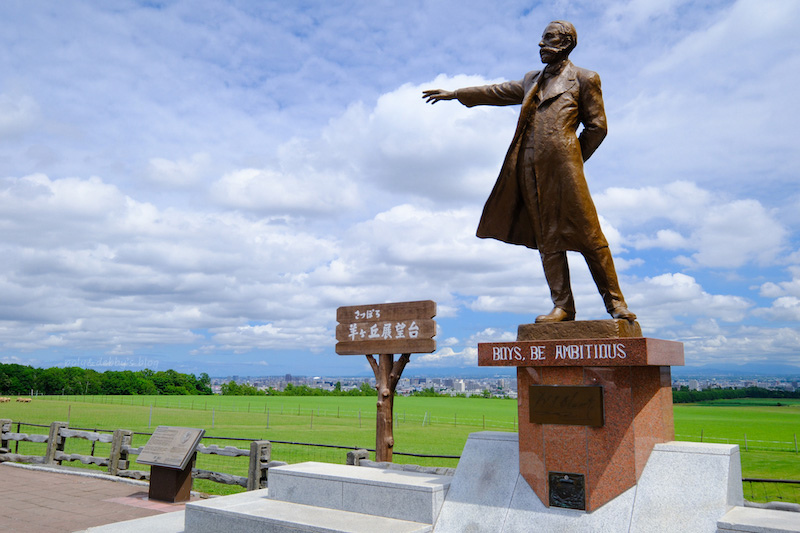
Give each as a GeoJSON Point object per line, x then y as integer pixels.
{"type": "Point", "coordinates": [541, 199]}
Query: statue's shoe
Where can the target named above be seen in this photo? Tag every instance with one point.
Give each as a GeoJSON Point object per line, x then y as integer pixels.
{"type": "Point", "coordinates": [558, 314]}
{"type": "Point", "coordinates": [623, 313]}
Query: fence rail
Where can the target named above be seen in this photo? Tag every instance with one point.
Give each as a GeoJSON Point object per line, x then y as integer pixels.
{"type": "Point", "coordinates": [118, 458]}
{"type": "Point", "coordinates": [115, 450]}
{"type": "Point", "coordinates": [772, 490]}
{"type": "Point", "coordinates": [745, 443]}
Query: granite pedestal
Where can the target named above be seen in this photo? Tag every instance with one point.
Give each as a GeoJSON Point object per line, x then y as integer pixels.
{"type": "Point", "coordinates": [568, 457]}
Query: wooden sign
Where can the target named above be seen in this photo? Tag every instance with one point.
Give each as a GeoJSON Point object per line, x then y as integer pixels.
{"type": "Point", "coordinates": [404, 327]}
{"type": "Point", "coordinates": [171, 447]}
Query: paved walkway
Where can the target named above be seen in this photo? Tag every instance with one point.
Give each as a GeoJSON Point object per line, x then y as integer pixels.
{"type": "Point", "coordinates": [38, 500]}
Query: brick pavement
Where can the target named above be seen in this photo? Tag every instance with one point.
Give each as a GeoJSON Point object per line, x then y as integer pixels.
{"type": "Point", "coordinates": [39, 501]}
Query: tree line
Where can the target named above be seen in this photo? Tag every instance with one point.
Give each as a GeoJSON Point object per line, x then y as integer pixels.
{"type": "Point", "coordinates": [684, 395]}
{"type": "Point", "coordinates": [22, 379]}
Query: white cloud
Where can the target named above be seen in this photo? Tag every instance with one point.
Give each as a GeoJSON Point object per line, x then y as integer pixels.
{"type": "Point", "coordinates": [661, 300]}
{"type": "Point", "coordinates": [492, 335]}
{"type": "Point", "coordinates": [104, 268]}
{"type": "Point", "coordinates": [181, 172]}
{"type": "Point", "coordinates": [740, 344]}
{"type": "Point", "coordinates": [721, 233]}
{"type": "Point", "coordinates": [18, 114]}
{"type": "Point", "coordinates": [785, 295]}
{"type": "Point", "coordinates": [270, 192]}
{"type": "Point", "coordinates": [447, 357]}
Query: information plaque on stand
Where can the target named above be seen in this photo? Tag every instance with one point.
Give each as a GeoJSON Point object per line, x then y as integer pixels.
{"type": "Point", "coordinates": [171, 452]}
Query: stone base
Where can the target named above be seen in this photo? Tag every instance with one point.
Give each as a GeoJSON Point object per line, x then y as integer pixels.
{"type": "Point", "coordinates": [685, 488]}
{"type": "Point", "coordinates": [321, 497]}
{"type": "Point", "coordinates": [389, 493]}
{"type": "Point", "coordinates": [579, 329]}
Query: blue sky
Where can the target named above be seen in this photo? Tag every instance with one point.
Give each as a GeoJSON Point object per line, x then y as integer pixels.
{"type": "Point", "coordinates": [199, 185]}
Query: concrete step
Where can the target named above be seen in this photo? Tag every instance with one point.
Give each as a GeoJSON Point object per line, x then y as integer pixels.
{"type": "Point", "coordinates": [160, 523]}
{"type": "Point", "coordinates": [254, 512]}
{"type": "Point", "coordinates": [395, 494]}
{"type": "Point", "coordinates": [752, 520]}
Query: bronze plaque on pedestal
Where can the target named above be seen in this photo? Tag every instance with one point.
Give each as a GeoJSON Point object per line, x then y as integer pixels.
{"type": "Point", "coordinates": [567, 490]}
{"type": "Point", "coordinates": [580, 405]}
{"type": "Point", "coordinates": [171, 447]}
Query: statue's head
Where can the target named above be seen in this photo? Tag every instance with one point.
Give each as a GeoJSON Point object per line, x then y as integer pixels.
{"type": "Point", "coordinates": [558, 40]}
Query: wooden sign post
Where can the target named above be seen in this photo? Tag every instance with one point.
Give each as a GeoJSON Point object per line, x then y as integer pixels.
{"type": "Point", "coordinates": [171, 452]}
{"type": "Point", "coordinates": [384, 330]}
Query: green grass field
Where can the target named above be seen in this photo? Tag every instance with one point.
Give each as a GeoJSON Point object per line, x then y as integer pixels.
{"type": "Point", "coordinates": [764, 430]}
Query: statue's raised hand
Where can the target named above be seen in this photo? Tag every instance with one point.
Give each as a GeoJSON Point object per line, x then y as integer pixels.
{"type": "Point", "coordinates": [432, 96]}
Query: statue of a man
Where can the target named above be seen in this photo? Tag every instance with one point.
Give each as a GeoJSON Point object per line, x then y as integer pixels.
{"type": "Point", "coordinates": [541, 199]}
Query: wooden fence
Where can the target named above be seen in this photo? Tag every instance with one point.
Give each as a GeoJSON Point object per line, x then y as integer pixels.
{"type": "Point", "coordinates": [118, 461]}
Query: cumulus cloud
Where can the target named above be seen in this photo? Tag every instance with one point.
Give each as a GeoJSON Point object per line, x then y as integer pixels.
{"type": "Point", "coordinates": [721, 232]}
{"type": "Point", "coordinates": [271, 192]}
{"type": "Point", "coordinates": [662, 300]}
{"type": "Point", "coordinates": [447, 357]}
{"type": "Point", "coordinates": [18, 114]}
{"type": "Point", "coordinates": [785, 296]}
{"type": "Point", "coordinates": [117, 271]}
{"type": "Point", "coordinates": [179, 173]}
{"type": "Point", "coordinates": [400, 147]}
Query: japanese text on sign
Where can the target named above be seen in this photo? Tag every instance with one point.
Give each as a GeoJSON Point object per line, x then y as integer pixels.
{"type": "Point", "coordinates": [404, 327]}
{"type": "Point", "coordinates": [387, 330]}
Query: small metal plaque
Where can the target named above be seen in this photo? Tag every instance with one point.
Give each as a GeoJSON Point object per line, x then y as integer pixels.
{"type": "Point", "coordinates": [567, 405]}
{"type": "Point", "coordinates": [171, 447]}
{"type": "Point", "coordinates": [567, 490]}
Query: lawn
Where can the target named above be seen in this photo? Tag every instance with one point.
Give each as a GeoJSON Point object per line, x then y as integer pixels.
{"type": "Point", "coordinates": [764, 429]}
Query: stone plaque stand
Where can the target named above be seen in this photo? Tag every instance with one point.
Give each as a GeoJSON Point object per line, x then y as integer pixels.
{"type": "Point", "coordinates": [171, 453]}
{"type": "Point", "coordinates": [577, 464]}
{"type": "Point", "coordinates": [171, 484]}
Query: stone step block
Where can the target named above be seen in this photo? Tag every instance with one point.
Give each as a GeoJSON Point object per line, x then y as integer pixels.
{"type": "Point", "coordinates": [254, 512]}
{"type": "Point", "coordinates": [749, 520]}
{"type": "Point", "coordinates": [389, 493]}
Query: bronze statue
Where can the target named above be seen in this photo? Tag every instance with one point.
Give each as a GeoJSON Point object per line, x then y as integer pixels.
{"type": "Point", "coordinates": [541, 199]}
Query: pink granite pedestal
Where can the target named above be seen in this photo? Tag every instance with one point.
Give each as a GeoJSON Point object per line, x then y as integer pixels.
{"type": "Point", "coordinates": [634, 372]}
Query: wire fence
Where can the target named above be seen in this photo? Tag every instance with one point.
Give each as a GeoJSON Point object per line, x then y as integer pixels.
{"type": "Point", "coordinates": [745, 443]}
{"type": "Point", "coordinates": [286, 407]}
{"type": "Point", "coordinates": [771, 490]}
